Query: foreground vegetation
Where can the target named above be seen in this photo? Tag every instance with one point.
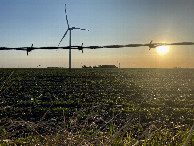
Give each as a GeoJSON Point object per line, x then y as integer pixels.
{"type": "Point", "coordinates": [97, 106]}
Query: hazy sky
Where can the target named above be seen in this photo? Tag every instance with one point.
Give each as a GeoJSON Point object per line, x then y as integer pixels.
{"type": "Point", "coordinates": [111, 22]}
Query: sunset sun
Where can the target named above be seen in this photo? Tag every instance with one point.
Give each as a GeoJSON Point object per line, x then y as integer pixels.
{"type": "Point", "coordinates": [162, 49]}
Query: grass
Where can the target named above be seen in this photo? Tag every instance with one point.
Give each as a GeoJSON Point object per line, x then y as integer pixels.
{"type": "Point", "coordinates": [96, 106]}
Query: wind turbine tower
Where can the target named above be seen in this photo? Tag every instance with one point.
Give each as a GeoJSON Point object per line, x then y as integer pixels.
{"type": "Point", "coordinates": [69, 29]}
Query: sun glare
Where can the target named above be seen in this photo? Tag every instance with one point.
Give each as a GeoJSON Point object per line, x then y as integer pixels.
{"type": "Point", "coordinates": [162, 49]}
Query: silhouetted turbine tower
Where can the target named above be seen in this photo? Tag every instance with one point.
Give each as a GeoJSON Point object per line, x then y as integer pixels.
{"type": "Point", "coordinates": [69, 29]}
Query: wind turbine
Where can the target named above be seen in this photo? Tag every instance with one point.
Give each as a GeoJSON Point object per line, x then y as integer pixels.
{"type": "Point", "coordinates": [69, 29]}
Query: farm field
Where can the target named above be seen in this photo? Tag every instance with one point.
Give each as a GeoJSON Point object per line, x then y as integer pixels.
{"type": "Point", "coordinates": [96, 106]}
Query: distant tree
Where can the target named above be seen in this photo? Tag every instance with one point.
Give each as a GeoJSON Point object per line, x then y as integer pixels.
{"type": "Point", "coordinates": [84, 66]}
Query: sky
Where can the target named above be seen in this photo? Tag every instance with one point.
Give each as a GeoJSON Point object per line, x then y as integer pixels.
{"type": "Point", "coordinates": [111, 22]}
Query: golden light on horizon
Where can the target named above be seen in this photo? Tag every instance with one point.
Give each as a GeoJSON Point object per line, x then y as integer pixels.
{"type": "Point", "coordinates": [162, 49]}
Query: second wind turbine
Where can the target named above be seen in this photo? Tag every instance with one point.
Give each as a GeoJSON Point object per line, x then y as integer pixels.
{"type": "Point", "coordinates": [69, 29]}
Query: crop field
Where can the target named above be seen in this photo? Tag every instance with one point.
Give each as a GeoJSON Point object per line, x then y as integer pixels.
{"type": "Point", "coordinates": [96, 106]}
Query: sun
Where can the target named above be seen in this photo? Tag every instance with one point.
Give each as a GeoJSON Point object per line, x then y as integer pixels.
{"type": "Point", "coordinates": [162, 49]}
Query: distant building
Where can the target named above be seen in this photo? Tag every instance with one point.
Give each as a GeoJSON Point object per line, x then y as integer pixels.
{"type": "Point", "coordinates": [54, 67]}
{"type": "Point", "coordinates": [107, 66]}
{"type": "Point", "coordinates": [84, 66]}
{"type": "Point", "coordinates": [100, 66]}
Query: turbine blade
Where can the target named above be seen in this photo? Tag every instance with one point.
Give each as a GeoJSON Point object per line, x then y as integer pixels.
{"type": "Point", "coordinates": [75, 28]}
{"type": "Point", "coordinates": [63, 37]}
{"type": "Point", "coordinates": [67, 21]}
{"type": "Point", "coordinates": [65, 9]}
{"type": "Point", "coordinates": [66, 16]}
{"type": "Point", "coordinates": [79, 28]}
{"type": "Point", "coordinates": [84, 29]}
